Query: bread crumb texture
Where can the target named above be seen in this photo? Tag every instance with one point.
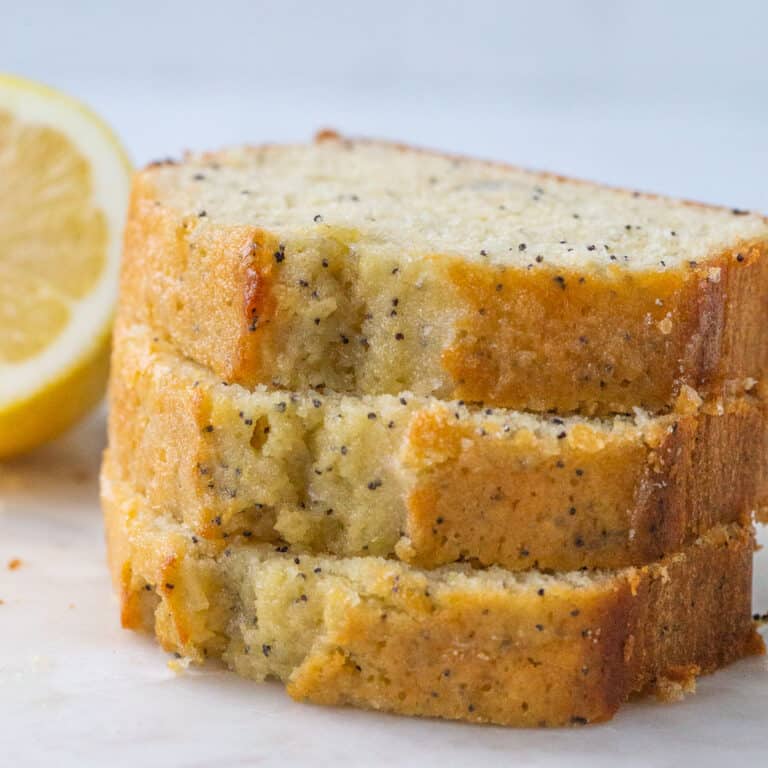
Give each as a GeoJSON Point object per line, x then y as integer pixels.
{"type": "Point", "coordinates": [373, 268]}
{"type": "Point", "coordinates": [429, 481]}
{"type": "Point", "coordinates": [494, 646]}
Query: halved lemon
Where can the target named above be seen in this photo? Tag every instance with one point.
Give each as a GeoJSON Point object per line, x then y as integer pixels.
{"type": "Point", "coordinates": [64, 186]}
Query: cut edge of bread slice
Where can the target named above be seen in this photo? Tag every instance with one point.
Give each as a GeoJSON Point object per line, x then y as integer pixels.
{"type": "Point", "coordinates": [595, 302]}
{"type": "Point", "coordinates": [430, 481]}
{"type": "Point", "coordinates": [484, 646]}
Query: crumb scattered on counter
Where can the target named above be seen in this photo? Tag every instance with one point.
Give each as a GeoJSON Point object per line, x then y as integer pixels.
{"type": "Point", "coordinates": [81, 476]}
{"type": "Point", "coordinates": [15, 564]}
{"type": "Point", "coordinates": [179, 664]}
{"type": "Point", "coordinates": [10, 480]}
{"type": "Point", "coordinates": [761, 618]}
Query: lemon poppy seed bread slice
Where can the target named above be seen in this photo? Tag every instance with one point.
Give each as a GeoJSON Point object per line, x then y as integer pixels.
{"type": "Point", "coordinates": [429, 481]}
{"type": "Point", "coordinates": [485, 646]}
{"type": "Point", "coordinates": [373, 268]}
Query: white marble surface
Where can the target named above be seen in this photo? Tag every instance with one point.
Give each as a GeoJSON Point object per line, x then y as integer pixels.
{"type": "Point", "coordinates": [75, 690]}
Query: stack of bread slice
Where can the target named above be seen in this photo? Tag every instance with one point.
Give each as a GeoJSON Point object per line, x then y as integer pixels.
{"type": "Point", "coordinates": [437, 436]}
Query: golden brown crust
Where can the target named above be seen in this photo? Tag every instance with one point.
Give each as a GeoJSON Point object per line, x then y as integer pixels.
{"type": "Point", "coordinates": [566, 340]}
{"type": "Point", "coordinates": [458, 488]}
{"type": "Point", "coordinates": [555, 655]}
{"type": "Point", "coordinates": [136, 605]}
{"type": "Point", "coordinates": [653, 627]}
{"type": "Point", "coordinates": [154, 576]}
{"type": "Point", "coordinates": [599, 503]}
{"type": "Point", "coordinates": [533, 339]}
{"type": "Point", "coordinates": [212, 287]}
{"type": "Point", "coordinates": [465, 660]}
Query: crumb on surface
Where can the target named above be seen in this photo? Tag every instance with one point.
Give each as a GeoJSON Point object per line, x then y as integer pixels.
{"type": "Point", "coordinates": [81, 476]}
{"type": "Point", "coordinates": [178, 665]}
{"type": "Point", "coordinates": [14, 564]}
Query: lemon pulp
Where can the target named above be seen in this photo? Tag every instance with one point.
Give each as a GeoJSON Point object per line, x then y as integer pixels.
{"type": "Point", "coordinates": [64, 184]}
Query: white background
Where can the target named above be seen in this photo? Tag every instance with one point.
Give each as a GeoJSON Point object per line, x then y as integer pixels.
{"type": "Point", "coordinates": [665, 96]}
{"type": "Point", "coordinates": [662, 95]}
